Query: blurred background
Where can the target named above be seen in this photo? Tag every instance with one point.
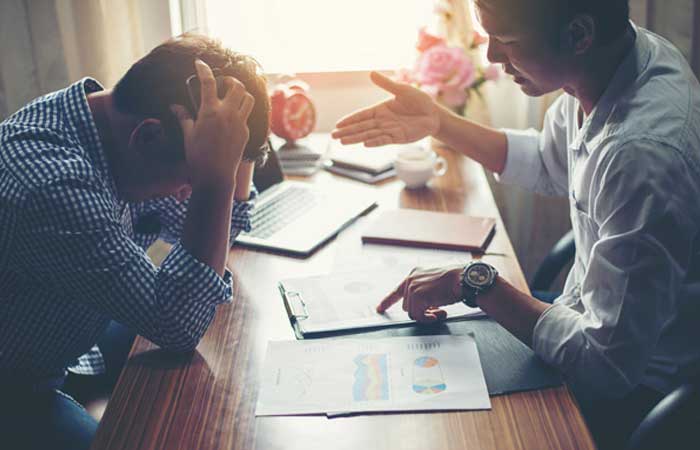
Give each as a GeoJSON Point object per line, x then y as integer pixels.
{"type": "Point", "coordinates": [331, 44]}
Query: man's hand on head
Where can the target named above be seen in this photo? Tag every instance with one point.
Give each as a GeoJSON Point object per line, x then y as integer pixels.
{"type": "Point", "coordinates": [215, 141]}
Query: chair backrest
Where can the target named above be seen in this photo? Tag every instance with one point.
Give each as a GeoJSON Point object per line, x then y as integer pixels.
{"type": "Point", "coordinates": [558, 257]}
{"type": "Point", "coordinates": [673, 423]}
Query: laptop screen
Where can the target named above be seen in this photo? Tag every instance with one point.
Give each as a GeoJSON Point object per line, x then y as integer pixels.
{"type": "Point", "coordinates": [269, 174]}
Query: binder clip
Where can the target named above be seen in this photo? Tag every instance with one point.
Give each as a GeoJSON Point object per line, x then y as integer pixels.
{"type": "Point", "coordinates": [296, 305]}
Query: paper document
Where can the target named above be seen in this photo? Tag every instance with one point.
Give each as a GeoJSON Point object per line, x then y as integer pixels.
{"type": "Point", "coordinates": [348, 300]}
{"type": "Point", "coordinates": [425, 373]}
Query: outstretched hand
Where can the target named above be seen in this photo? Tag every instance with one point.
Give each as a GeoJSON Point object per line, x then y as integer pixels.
{"type": "Point", "coordinates": [409, 116]}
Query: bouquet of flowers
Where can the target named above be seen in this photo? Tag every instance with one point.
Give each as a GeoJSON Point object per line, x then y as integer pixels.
{"type": "Point", "coordinates": [449, 73]}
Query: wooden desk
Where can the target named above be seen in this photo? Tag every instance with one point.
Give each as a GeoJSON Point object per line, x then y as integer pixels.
{"type": "Point", "coordinates": [207, 400]}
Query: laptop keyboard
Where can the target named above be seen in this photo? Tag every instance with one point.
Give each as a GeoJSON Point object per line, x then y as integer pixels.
{"type": "Point", "coordinates": [281, 210]}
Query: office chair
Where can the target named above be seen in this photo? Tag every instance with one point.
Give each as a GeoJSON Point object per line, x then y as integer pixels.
{"type": "Point", "coordinates": [562, 252]}
{"type": "Point", "coordinates": [674, 421]}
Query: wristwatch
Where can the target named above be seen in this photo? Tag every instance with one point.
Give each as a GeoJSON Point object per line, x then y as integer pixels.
{"type": "Point", "coordinates": [477, 277]}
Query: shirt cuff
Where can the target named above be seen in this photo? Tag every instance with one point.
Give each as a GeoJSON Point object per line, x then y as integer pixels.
{"type": "Point", "coordinates": [522, 158]}
{"type": "Point", "coordinates": [554, 333]}
{"type": "Point", "coordinates": [240, 216]}
{"type": "Point", "coordinates": [190, 274]}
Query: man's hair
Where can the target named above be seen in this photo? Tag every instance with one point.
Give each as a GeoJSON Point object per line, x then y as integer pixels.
{"type": "Point", "coordinates": [611, 16]}
{"type": "Point", "coordinates": [158, 80]}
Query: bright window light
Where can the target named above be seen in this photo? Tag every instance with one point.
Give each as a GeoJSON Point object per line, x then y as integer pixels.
{"type": "Point", "coordinates": [289, 36]}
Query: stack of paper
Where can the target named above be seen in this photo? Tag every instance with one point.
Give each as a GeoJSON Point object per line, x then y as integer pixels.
{"type": "Point", "coordinates": [369, 165]}
{"type": "Point", "coordinates": [427, 373]}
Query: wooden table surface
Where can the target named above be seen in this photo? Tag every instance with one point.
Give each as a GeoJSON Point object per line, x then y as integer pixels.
{"type": "Point", "coordinates": [206, 400]}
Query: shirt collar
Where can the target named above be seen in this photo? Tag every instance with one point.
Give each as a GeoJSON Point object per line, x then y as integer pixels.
{"type": "Point", "coordinates": [633, 65]}
{"type": "Point", "coordinates": [80, 116]}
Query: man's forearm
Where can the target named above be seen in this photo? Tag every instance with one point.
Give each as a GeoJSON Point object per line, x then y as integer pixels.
{"type": "Point", "coordinates": [207, 225]}
{"type": "Point", "coordinates": [485, 145]}
{"type": "Point", "coordinates": [516, 311]}
{"type": "Point", "coordinates": [244, 178]}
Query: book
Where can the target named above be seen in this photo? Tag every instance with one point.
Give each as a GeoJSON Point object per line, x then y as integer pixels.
{"type": "Point", "coordinates": [418, 228]}
{"type": "Point", "coordinates": [356, 156]}
{"type": "Point", "coordinates": [360, 175]}
{"type": "Point", "coordinates": [311, 148]}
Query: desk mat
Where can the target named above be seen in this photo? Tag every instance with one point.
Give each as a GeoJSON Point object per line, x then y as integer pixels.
{"type": "Point", "coordinates": [509, 365]}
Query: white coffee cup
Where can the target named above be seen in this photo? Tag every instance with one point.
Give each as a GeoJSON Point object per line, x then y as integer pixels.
{"type": "Point", "coordinates": [416, 165]}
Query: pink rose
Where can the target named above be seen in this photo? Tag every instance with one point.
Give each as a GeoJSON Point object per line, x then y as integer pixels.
{"type": "Point", "coordinates": [427, 40]}
{"type": "Point", "coordinates": [404, 75]}
{"type": "Point", "coordinates": [453, 97]}
{"type": "Point", "coordinates": [448, 68]}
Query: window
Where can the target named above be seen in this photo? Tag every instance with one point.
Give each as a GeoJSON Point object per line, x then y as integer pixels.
{"type": "Point", "coordinates": [320, 35]}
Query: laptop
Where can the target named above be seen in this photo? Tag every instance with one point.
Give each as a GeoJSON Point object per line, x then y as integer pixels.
{"type": "Point", "coordinates": [295, 217]}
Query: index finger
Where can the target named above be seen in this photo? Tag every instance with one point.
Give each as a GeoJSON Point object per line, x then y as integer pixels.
{"type": "Point", "coordinates": [207, 83]}
{"type": "Point", "coordinates": [392, 298]}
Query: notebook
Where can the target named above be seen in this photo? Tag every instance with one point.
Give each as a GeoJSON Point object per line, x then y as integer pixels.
{"type": "Point", "coordinates": [356, 156]}
{"type": "Point", "coordinates": [360, 175]}
{"type": "Point", "coordinates": [418, 228]}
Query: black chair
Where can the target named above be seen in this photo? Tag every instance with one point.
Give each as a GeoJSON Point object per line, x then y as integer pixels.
{"type": "Point", "coordinates": [558, 257]}
{"type": "Point", "coordinates": [674, 422]}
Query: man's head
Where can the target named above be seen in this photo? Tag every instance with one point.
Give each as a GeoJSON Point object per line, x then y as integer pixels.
{"type": "Point", "coordinates": [157, 81]}
{"type": "Point", "coordinates": [545, 43]}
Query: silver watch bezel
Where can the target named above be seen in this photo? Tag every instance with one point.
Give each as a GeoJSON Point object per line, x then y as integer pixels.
{"type": "Point", "coordinates": [492, 274]}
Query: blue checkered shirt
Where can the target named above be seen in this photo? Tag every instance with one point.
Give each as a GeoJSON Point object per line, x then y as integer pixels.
{"type": "Point", "coordinates": [70, 258]}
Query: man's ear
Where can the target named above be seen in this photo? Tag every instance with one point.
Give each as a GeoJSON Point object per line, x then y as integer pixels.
{"type": "Point", "coordinates": [148, 138]}
{"type": "Point", "coordinates": [578, 36]}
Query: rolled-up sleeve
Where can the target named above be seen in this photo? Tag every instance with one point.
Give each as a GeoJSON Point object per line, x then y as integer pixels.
{"type": "Point", "coordinates": [70, 239]}
{"type": "Point", "coordinates": [635, 272]}
{"type": "Point", "coordinates": [537, 161]}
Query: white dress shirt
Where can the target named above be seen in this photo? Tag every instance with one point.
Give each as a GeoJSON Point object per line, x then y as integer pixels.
{"type": "Point", "coordinates": [629, 313]}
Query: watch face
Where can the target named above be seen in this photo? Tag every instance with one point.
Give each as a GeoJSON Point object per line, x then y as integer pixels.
{"type": "Point", "coordinates": [479, 275]}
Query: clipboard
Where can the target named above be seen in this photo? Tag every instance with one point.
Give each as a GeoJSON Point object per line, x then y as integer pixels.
{"type": "Point", "coordinates": [346, 302]}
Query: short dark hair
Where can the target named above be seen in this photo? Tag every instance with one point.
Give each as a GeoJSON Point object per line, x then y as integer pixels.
{"type": "Point", "coordinates": [157, 81]}
{"type": "Point", "coordinates": [611, 16]}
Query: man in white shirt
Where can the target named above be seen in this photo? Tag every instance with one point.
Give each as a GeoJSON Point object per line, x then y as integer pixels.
{"type": "Point", "coordinates": [623, 143]}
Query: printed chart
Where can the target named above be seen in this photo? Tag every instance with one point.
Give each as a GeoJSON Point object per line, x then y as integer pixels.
{"type": "Point", "coordinates": [361, 375]}
{"type": "Point", "coordinates": [371, 378]}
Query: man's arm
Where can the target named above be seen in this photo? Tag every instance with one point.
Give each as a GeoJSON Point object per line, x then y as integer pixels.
{"type": "Point", "coordinates": [70, 240]}
{"type": "Point", "coordinates": [214, 145]}
{"type": "Point", "coordinates": [425, 290]}
{"type": "Point", "coordinates": [244, 180]}
{"type": "Point", "coordinates": [484, 145]}
{"type": "Point", "coordinates": [164, 218]}
{"type": "Point", "coordinates": [533, 160]}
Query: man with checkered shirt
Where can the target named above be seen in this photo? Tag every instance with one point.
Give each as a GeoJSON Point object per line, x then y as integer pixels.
{"type": "Point", "coordinates": [89, 179]}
